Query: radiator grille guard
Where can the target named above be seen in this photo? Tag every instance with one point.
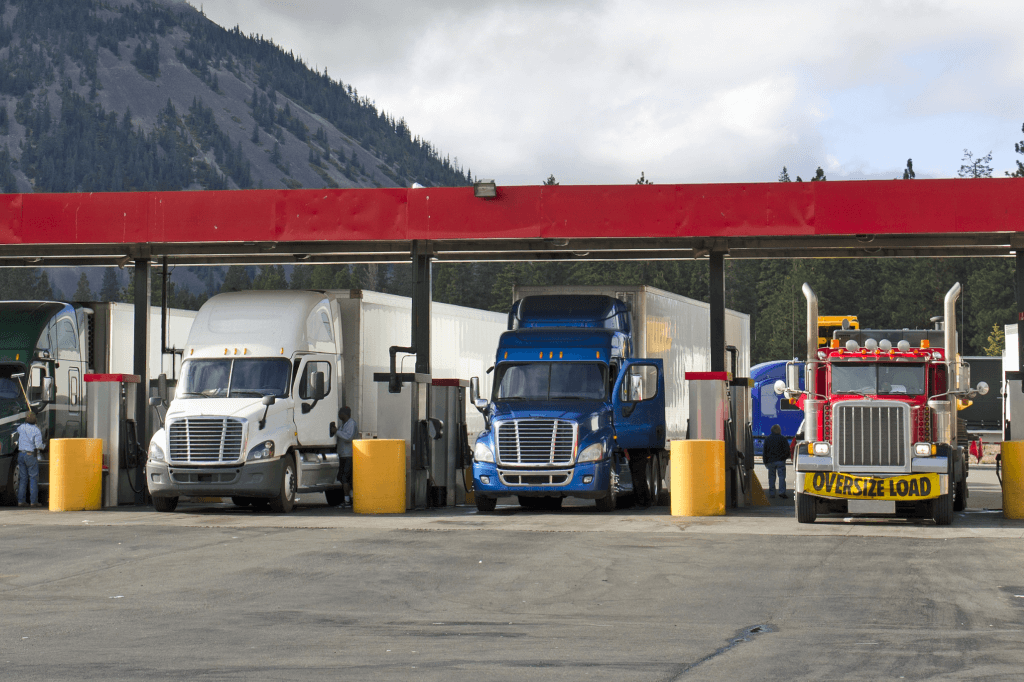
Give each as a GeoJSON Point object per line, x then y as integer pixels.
{"type": "Point", "coordinates": [206, 440]}
{"type": "Point", "coordinates": [536, 442]}
{"type": "Point", "coordinates": [871, 434]}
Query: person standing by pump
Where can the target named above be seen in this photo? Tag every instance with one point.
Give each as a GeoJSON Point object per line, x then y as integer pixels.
{"type": "Point", "coordinates": [345, 435]}
{"type": "Point", "coordinates": [30, 442]}
{"type": "Point", "coordinates": [776, 452]}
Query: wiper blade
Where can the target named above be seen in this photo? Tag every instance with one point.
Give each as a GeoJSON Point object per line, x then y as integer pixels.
{"type": "Point", "coordinates": [236, 392]}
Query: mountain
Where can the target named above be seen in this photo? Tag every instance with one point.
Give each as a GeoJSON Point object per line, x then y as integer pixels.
{"type": "Point", "coordinates": [123, 95]}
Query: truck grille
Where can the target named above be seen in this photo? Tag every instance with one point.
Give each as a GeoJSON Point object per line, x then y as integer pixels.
{"type": "Point", "coordinates": [871, 435]}
{"type": "Point", "coordinates": [205, 439]}
{"type": "Point", "coordinates": [532, 442]}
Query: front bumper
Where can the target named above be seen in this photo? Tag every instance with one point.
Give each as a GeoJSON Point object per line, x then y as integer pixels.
{"type": "Point", "coordinates": [934, 465]}
{"type": "Point", "coordinates": [252, 479]}
{"type": "Point", "coordinates": [491, 481]}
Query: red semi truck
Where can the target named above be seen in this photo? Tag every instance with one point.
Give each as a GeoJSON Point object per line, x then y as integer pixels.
{"type": "Point", "coordinates": [881, 433]}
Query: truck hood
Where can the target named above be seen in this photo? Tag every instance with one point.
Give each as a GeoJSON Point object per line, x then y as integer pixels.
{"type": "Point", "coordinates": [221, 407]}
{"type": "Point", "coordinates": [572, 410]}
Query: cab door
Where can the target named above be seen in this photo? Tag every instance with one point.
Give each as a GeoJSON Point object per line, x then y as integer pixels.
{"type": "Point", "coordinates": [316, 416]}
{"type": "Point", "coordinates": [638, 402]}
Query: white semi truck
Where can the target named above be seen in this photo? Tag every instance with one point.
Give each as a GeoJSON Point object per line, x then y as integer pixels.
{"type": "Point", "coordinates": [264, 375]}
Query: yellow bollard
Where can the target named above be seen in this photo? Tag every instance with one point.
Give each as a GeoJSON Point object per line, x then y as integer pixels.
{"type": "Point", "coordinates": [76, 474]}
{"type": "Point", "coordinates": [1013, 479]}
{"type": "Point", "coordinates": [698, 477]}
{"type": "Point", "coordinates": [378, 476]}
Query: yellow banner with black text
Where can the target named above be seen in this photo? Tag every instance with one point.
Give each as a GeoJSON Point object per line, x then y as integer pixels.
{"type": "Point", "coordinates": [913, 487]}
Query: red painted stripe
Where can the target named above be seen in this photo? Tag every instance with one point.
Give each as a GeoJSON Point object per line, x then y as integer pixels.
{"type": "Point", "coordinates": [706, 376]}
{"type": "Point", "coordinates": [120, 378]}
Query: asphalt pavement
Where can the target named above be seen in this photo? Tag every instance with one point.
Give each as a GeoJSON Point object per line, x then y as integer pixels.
{"type": "Point", "coordinates": [213, 592]}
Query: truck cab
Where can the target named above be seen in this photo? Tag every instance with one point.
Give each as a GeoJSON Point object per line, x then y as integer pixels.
{"type": "Point", "coordinates": [255, 412]}
{"type": "Point", "coordinates": [881, 434]}
{"type": "Point", "coordinates": [567, 406]}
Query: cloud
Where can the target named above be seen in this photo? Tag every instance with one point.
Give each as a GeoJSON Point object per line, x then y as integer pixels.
{"type": "Point", "coordinates": [595, 92]}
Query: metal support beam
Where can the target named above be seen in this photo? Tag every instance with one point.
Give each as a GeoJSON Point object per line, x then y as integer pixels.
{"type": "Point", "coordinates": [421, 298]}
{"type": "Point", "coordinates": [1020, 312]}
{"type": "Point", "coordinates": [716, 297]}
{"type": "Point", "coordinates": [143, 290]}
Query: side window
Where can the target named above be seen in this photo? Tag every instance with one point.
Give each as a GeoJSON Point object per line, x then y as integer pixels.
{"type": "Point", "coordinates": [640, 384]}
{"type": "Point", "coordinates": [306, 386]}
{"type": "Point", "coordinates": [35, 383]}
{"type": "Point", "coordinates": [768, 399]}
{"type": "Point", "coordinates": [67, 339]}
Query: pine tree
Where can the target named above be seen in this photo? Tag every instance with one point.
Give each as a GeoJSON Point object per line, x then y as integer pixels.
{"type": "Point", "coordinates": [551, 180]}
{"type": "Point", "coordinates": [784, 175]}
{"type": "Point", "coordinates": [975, 167]}
{"type": "Point", "coordinates": [236, 279]}
{"type": "Point", "coordinates": [83, 292]}
{"type": "Point", "coordinates": [908, 173]}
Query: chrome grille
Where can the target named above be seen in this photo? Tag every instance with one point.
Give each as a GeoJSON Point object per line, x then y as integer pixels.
{"type": "Point", "coordinates": [205, 439]}
{"type": "Point", "coordinates": [533, 442]}
{"type": "Point", "coordinates": [868, 434]}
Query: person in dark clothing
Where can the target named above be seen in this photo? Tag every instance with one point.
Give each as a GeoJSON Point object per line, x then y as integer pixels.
{"type": "Point", "coordinates": [776, 452]}
{"type": "Point", "coordinates": [638, 471]}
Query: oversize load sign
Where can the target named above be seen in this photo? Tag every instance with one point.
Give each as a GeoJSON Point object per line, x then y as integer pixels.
{"type": "Point", "coordinates": [831, 484]}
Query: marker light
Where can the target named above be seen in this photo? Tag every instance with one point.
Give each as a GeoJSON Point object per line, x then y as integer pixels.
{"type": "Point", "coordinates": [885, 345]}
{"type": "Point", "coordinates": [904, 346]}
{"type": "Point", "coordinates": [835, 343]}
{"type": "Point", "coordinates": [925, 343]}
{"type": "Point", "coordinates": [852, 346]}
{"type": "Point", "coordinates": [871, 345]}
{"type": "Point", "coordinates": [822, 354]}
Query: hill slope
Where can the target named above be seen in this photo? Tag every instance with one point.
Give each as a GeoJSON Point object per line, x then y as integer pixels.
{"type": "Point", "coordinates": [140, 95]}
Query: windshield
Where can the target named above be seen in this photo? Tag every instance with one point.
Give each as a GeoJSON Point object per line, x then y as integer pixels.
{"type": "Point", "coordinates": [878, 379]}
{"type": "Point", "coordinates": [551, 381]}
{"type": "Point", "coordinates": [249, 377]}
{"type": "Point", "coordinates": [10, 392]}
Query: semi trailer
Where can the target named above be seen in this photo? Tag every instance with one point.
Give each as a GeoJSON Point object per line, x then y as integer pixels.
{"type": "Point", "coordinates": [881, 434]}
{"type": "Point", "coordinates": [586, 377]}
{"type": "Point", "coordinates": [264, 375]}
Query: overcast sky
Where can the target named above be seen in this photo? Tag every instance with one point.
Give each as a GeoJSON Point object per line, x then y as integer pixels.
{"type": "Point", "coordinates": [597, 91]}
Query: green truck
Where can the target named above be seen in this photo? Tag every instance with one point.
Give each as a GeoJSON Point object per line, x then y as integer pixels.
{"type": "Point", "coordinates": [41, 347]}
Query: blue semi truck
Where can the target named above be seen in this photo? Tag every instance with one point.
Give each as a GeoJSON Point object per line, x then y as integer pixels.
{"type": "Point", "coordinates": [767, 407]}
{"type": "Point", "coordinates": [583, 381]}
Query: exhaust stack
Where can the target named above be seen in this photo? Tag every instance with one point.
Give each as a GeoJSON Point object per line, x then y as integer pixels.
{"type": "Point", "coordinates": [811, 403]}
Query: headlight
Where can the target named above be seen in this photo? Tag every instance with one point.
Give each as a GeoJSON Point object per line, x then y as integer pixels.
{"type": "Point", "coordinates": [264, 450]}
{"type": "Point", "coordinates": [592, 453]}
{"type": "Point", "coordinates": [482, 453]}
{"type": "Point", "coordinates": [924, 449]}
{"type": "Point", "coordinates": [156, 453]}
{"type": "Point", "coordinates": [820, 449]}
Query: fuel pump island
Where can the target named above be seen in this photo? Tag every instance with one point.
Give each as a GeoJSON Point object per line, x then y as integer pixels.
{"type": "Point", "coordinates": [881, 433]}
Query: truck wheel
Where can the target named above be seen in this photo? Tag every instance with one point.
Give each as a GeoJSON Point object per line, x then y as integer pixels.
{"type": "Point", "coordinates": [806, 508]}
{"type": "Point", "coordinates": [10, 495]}
{"type": "Point", "coordinates": [165, 504]}
{"type": "Point", "coordinates": [334, 497]}
{"type": "Point", "coordinates": [942, 509]}
{"type": "Point", "coordinates": [485, 504]}
{"type": "Point", "coordinates": [654, 478]}
{"type": "Point", "coordinates": [285, 500]}
{"type": "Point", "coordinates": [960, 499]}
{"type": "Point", "coordinates": [606, 503]}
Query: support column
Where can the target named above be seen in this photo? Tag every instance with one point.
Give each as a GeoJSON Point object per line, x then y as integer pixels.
{"type": "Point", "coordinates": [1020, 311]}
{"type": "Point", "coordinates": [716, 298]}
{"type": "Point", "coordinates": [143, 291]}
{"type": "Point", "coordinates": [421, 299]}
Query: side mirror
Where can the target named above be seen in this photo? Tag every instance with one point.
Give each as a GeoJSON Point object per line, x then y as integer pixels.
{"type": "Point", "coordinates": [156, 401]}
{"type": "Point", "coordinates": [269, 400]}
{"type": "Point", "coordinates": [780, 387]}
{"type": "Point", "coordinates": [318, 386]}
{"type": "Point", "coordinates": [474, 394]}
{"type": "Point", "coordinates": [793, 376]}
{"type": "Point", "coordinates": [49, 390]}
{"type": "Point", "coordinates": [982, 388]}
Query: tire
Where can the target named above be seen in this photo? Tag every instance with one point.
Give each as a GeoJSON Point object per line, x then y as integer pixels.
{"type": "Point", "coordinates": [654, 478]}
{"type": "Point", "coordinates": [531, 502]}
{"type": "Point", "coordinates": [485, 504]}
{"type": "Point", "coordinates": [335, 497]}
{"type": "Point", "coordinates": [165, 504]}
{"type": "Point", "coordinates": [285, 500]}
{"type": "Point", "coordinates": [942, 509]}
{"type": "Point", "coordinates": [242, 501]}
{"type": "Point", "coordinates": [10, 495]}
{"type": "Point", "coordinates": [606, 503]}
{"type": "Point", "coordinates": [806, 508]}
{"type": "Point", "coordinates": [552, 503]}
{"type": "Point", "coordinates": [960, 498]}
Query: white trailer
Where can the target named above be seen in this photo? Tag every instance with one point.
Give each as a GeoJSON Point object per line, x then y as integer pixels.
{"type": "Point", "coordinates": [673, 328]}
{"type": "Point", "coordinates": [263, 378]}
{"type": "Point", "coordinates": [108, 331]}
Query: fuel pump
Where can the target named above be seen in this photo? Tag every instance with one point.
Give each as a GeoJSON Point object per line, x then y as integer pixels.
{"type": "Point", "coordinates": [112, 419]}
